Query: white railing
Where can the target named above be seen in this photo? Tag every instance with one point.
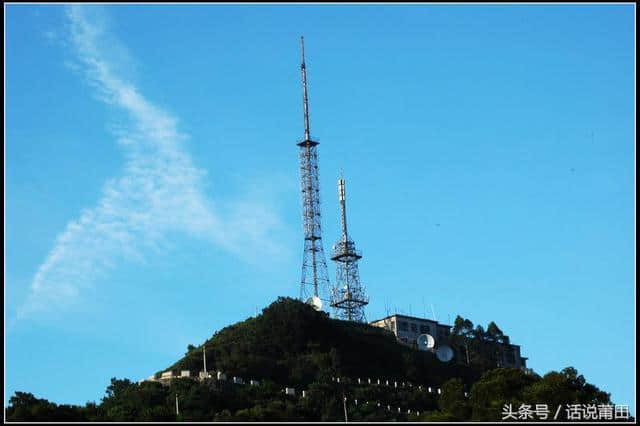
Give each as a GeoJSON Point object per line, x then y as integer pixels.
{"type": "Point", "coordinates": [290, 391]}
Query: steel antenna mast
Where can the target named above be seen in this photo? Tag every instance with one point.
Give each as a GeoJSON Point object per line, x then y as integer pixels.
{"type": "Point", "coordinates": [348, 297]}
{"type": "Point", "coordinates": [315, 279]}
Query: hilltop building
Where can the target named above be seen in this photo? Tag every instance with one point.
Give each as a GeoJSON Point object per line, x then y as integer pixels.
{"type": "Point", "coordinates": [407, 329]}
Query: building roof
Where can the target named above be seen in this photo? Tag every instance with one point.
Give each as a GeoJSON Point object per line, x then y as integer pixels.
{"type": "Point", "coordinates": [410, 317]}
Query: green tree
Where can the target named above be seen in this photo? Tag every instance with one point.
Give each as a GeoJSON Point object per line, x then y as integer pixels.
{"type": "Point", "coordinates": [452, 400]}
{"type": "Point", "coordinates": [495, 389]}
{"type": "Point", "coordinates": [462, 336]}
{"type": "Point", "coordinates": [562, 388]}
{"type": "Point", "coordinates": [291, 344]}
{"type": "Point", "coordinates": [190, 348]}
{"type": "Point", "coordinates": [24, 406]}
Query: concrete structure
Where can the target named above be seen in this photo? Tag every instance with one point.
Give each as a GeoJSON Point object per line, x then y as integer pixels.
{"type": "Point", "coordinates": [407, 329]}
{"type": "Point", "coordinates": [513, 359]}
{"type": "Point", "coordinates": [290, 391]}
{"type": "Point", "coordinates": [185, 373]}
{"type": "Point", "coordinates": [508, 357]}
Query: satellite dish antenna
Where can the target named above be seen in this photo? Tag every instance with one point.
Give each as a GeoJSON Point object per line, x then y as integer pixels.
{"type": "Point", "coordinates": [426, 342]}
{"type": "Point", "coordinates": [315, 302]}
{"type": "Point", "coordinates": [444, 353]}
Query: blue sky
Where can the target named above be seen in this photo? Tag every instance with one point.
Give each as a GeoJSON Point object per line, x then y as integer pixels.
{"type": "Point", "coordinates": [152, 177]}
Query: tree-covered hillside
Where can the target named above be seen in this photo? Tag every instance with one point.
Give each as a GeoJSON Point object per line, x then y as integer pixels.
{"type": "Point", "coordinates": [292, 345]}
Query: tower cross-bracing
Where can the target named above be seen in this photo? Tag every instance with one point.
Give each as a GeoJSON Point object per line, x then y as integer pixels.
{"type": "Point", "coordinates": [348, 297]}
{"type": "Point", "coordinates": [315, 279]}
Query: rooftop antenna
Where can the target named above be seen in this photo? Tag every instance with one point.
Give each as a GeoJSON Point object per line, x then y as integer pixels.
{"type": "Point", "coordinates": [315, 279]}
{"type": "Point", "coordinates": [348, 297]}
{"type": "Point", "coordinates": [433, 313]}
{"type": "Point", "coordinates": [387, 324]}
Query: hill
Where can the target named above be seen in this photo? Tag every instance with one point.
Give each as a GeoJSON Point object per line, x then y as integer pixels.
{"type": "Point", "coordinates": [291, 345]}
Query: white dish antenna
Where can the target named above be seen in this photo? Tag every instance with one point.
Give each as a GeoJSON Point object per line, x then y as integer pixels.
{"type": "Point", "coordinates": [444, 353]}
{"type": "Point", "coordinates": [426, 342]}
{"type": "Point", "coordinates": [315, 302]}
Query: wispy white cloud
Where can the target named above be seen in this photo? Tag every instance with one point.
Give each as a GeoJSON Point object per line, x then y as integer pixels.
{"type": "Point", "coordinates": [160, 191]}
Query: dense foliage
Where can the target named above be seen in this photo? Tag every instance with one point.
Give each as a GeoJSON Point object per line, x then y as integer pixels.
{"type": "Point", "coordinates": [484, 349]}
{"type": "Point", "coordinates": [290, 344]}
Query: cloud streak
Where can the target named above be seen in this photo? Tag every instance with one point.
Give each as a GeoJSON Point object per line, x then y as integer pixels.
{"type": "Point", "coordinates": [160, 191]}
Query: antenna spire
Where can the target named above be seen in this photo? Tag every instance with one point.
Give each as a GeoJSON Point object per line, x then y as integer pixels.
{"type": "Point", "coordinates": [343, 208]}
{"type": "Point", "coordinates": [305, 92]}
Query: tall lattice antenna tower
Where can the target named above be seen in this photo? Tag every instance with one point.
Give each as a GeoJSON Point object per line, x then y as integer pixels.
{"type": "Point", "coordinates": [348, 297]}
{"type": "Point", "coordinates": [315, 279]}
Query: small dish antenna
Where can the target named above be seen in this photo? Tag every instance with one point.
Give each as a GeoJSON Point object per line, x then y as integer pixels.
{"type": "Point", "coordinates": [315, 302]}
{"type": "Point", "coordinates": [426, 342]}
{"type": "Point", "coordinates": [444, 353]}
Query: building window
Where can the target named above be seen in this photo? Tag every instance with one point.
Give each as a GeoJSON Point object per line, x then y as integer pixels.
{"type": "Point", "coordinates": [425, 329]}
{"type": "Point", "coordinates": [414, 328]}
{"type": "Point", "coordinates": [403, 326]}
